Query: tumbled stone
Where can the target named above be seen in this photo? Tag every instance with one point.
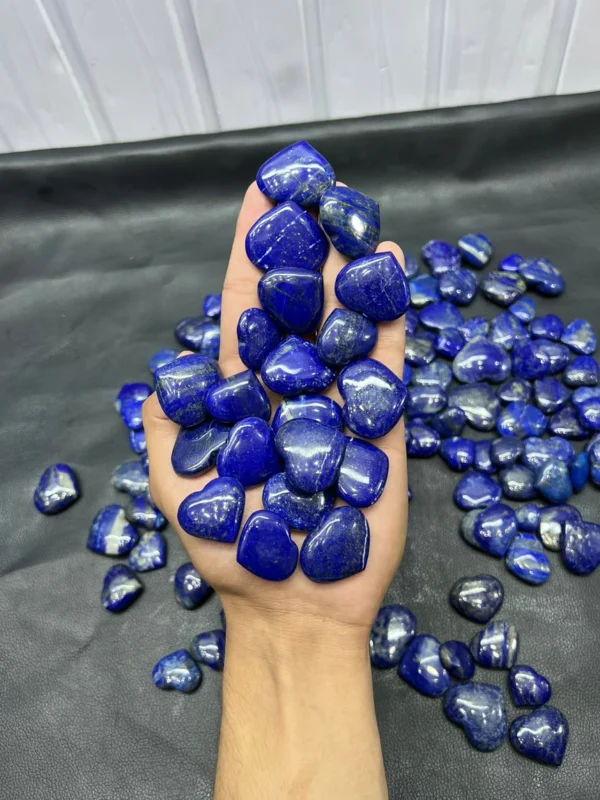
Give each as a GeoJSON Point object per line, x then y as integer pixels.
{"type": "Point", "coordinates": [57, 489]}
{"type": "Point", "coordinates": [496, 646]}
{"type": "Point", "coordinates": [491, 530]}
{"type": "Point", "coordinates": [150, 552]}
{"type": "Point", "coordinates": [287, 236]}
{"type": "Point", "coordinates": [312, 454]}
{"type": "Point", "coordinates": [530, 359]}
{"type": "Point", "coordinates": [200, 334]}
{"type": "Point", "coordinates": [541, 735]}
{"type": "Point", "coordinates": [237, 397]}
{"type": "Point", "coordinates": [528, 517]}
{"type": "Point", "coordinates": [300, 511]}
{"type": "Point", "coordinates": [520, 419]}
{"type": "Point", "coordinates": [420, 349]}
{"type": "Point", "coordinates": [523, 309]}
{"type": "Point", "coordinates": [549, 327]}
{"type": "Point", "coordinates": [344, 337]}
{"type": "Point", "coordinates": [338, 548]}
{"type": "Point", "coordinates": [363, 473]}
{"type": "Point", "coordinates": [540, 274]}
{"type": "Point", "coordinates": [160, 358]}
{"type": "Point", "coordinates": [411, 266]}
{"type": "Point", "coordinates": [294, 367]}
{"type": "Point", "coordinates": [565, 423]}
{"type": "Point", "coordinates": [527, 560]}
{"type": "Point", "coordinates": [214, 512]}
{"type": "Point", "coordinates": [120, 588]}
{"type": "Point", "coordinates": [479, 403]}
{"type": "Point", "coordinates": [579, 471]}
{"type": "Point", "coordinates": [209, 648]}
{"type": "Point", "coordinates": [129, 403]}
{"type": "Point", "coordinates": [211, 306]}
{"type": "Point", "coordinates": [476, 490]}
{"type": "Point", "coordinates": [249, 455]}
{"type": "Point", "coordinates": [458, 453]}
{"type": "Point", "coordinates": [266, 548]}
{"type": "Point", "coordinates": [421, 440]}
{"type": "Point", "coordinates": [515, 390]}
{"type": "Point", "coordinates": [374, 286]}
{"type": "Point", "coordinates": [110, 533]}
{"type": "Point", "coordinates": [351, 220]}
{"type": "Point", "coordinates": [506, 330]}
{"type": "Point", "coordinates": [528, 687]}
{"type": "Point", "coordinates": [550, 394]}
{"type": "Point", "coordinates": [503, 288]}
{"type": "Point", "coordinates": [554, 482]}
{"type": "Point", "coordinates": [518, 482]}
{"type": "Point", "coordinates": [441, 315]}
{"type": "Point", "coordinates": [511, 263]}
{"type": "Point", "coordinates": [130, 477]}
{"type": "Point", "coordinates": [580, 547]}
{"type": "Point", "coordinates": [144, 514]}
{"type": "Point", "coordinates": [477, 598]}
{"type": "Point", "coordinates": [449, 422]}
{"type": "Point", "coordinates": [394, 628]}
{"type": "Point", "coordinates": [315, 407]}
{"type": "Point", "coordinates": [182, 386]}
{"type": "Point", "coordinates": [374, 398]}
{"type": "Point", "coordinates": [422, 668]}
{"type": "Point", "coordinates": [440, 256]}
{"type": "Point", "coordinates": [552, 523]}
{"type": "Point", "coordinates": [137, 442]}
{"type": "Point", "coordinates": [481, 360]}
{"type": "Point", "coordinates": [293, 298]}
{"type": "Point", "coordinates": [457, 659]}
{"type": "Point", "coordinates": [177, 671]}
{"type": "Point", "coordinates": [298, 172]}
{"type": "Point", "coordinates": [411, 320]}
{"type": "Point", "coordinates": [449, 342]}
{"type": "Point", "coordinates": [580, 337]}
{"type": "Point", "coordinates": [196, 449]}
{"type": "Point", "coordinates": [423, 401]}
{"type": "Point", "coordinates": [483, 461]}
{"type": "Point", "coordinates": [438, 373]}
{"type": "Point", "coordinates": [479, 709]}
{"type": "Point", "coordinates": [475, 248]}
{"type": "Point", "coordinates": [582, 371]}
{"type": "Point", "coordinates": [474, 327]}
{"type": "Point", "coordinates": [190, 588]}
{"type": "Point", "coordinates": [257, 336]}
{"type": "Point", "coordinates": [458, 286]}
{"type": "Point", "coordinates": [506, 451]}
{"type": "Point", "coordinates": [424, 289]}
{"type": "Point", "coordinates": [558, 355]}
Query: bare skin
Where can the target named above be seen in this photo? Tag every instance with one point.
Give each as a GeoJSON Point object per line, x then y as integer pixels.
{"type": "Point", "coordinates": [298, 715]}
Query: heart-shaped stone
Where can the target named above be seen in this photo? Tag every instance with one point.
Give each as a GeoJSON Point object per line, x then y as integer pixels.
{"type": "Point", "coordinates": [177, 671]}
{"type": "Point", "coordinates": [150, 552]}
{"type": "Point", "coordinates": [477, 598]}
{"type": "Point", "coordinates": [528, 687]}
{"type": "Point", "coordinates": [457, 659]}
{"type": "Point", "coordinates": [503, 288]}
{"type": "Point", "coordinates": [238, 397]}
{"type": "Point", "coordinates": [209, 648]}
{"type": "Point", "coordinates": [440, 256]}
{"type": "Point", "coordinates": [527, 560]}
{"type": "Point", "coordinates": [58, 488]}
{"type": "Point", "coordinates": [541, 275]}
{"type": "Point", "coordinates": [551, 524]}
{"type": "Point", "coordinates": [553, 481]}
{"type": "Point", "coordinates": [257, 336]}
{"type": "Point", "coordinates": [491, 530]}
{"type": "Point", "coordinates": [393, 629]}
{"type": "Point", "coordinates": [309, 406]}
{"type": "Point", "coordinates": [479, 402]}
{"type": "Point", "coordinates": [363, 473]}
{"type": "Point", "coordinates": [196, 449]}
{"type": "Point", "coordinates": [422, 668]}
{"type": "Point", "coordinates": [182, 386]}
{"type": "Point", "coordinates": [338, 548]}
{"type": "Point", "coordinates": [249, 455]}
{"type": "Point", "coordinates": [130, 477]}
{"type": "Point", "coordinates": [121, 587]}
{"type": "Point", "coordinates": [475, 490]}
{"type": "Point", "coordinates": [190, 588]}
{"type": "Point", "coordinates": [374, 286]}
{"type": "Point", "coordinates": [312, 454]}
{"type": "Point", "coordinates": [293, 297]}
{"type": "Point", "coordinates": [214, 512]}
{"type": "Point", "coordinates": [374, 398]}
{"type": "Point", "coordinates": [294, 367]}
{"type": "Point", "coordinates": [110, 533]}
{"type": "Point", "coordinates": [580, 547]}
{"type": "Point", "coordinates": [345, 336]}
{"type": "Point", "coordinates": [475, 248]}
{"type": "Point", "coordinates": [496, 646]}
{"type": "Point", "coordinates": [481, 360]}
{"type": "Point", "coordinates": [478, 708]}
{"type": "Point", "coordinates": [266, 548]}
{"type": "Point", "coordinates": [143, 514]}
{"type": "Point", "coordinates": [298, 172]}
{"type": "Point", "coordinates": [351, 220]}
{"type": "Point", "coordinates": [441, 315]}
{"type": "Point", "coordinates": [129, 403]}
{"type": "Point", "coordinates": [541, 735]}
{"type": "Point", "coordinates": [300, 511]}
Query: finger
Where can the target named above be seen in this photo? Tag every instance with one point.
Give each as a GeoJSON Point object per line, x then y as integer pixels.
{"type": "Point", "coordinates": [390, 335]}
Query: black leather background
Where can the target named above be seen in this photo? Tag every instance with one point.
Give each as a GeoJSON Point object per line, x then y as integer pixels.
{"type": "Point", "coordinates": [101, 252]}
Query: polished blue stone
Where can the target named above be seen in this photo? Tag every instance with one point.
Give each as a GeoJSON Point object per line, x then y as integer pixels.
{"type": "Point", "coordinates": [506, 330]}
{"type": "Point", "coordinates": [411, 321]}
{"type": "Point", "coordinates": [422, 668]}
{"type": "Point", "coordinates": [137, 442]}
{"type": "Point", "coordinates": [196, 449]}
{"type": "Point", "coordinates": [266, 548]}
{"type": "Point", "coordinates": [520, 419]}
{"type": "Point", "coordinates": [160, 358]}
{"type": "Point", "coordinates": [293, 298]}
{"type": "Point", "coordinates": [474, 327]}
{"type": "Point", "coordinates": [528, 517]}
{"type": "Point", "coordinates": [530, 360]}
{"type": "Point", "coordinates": [177, 671]}
{"type": "Point", "coordinates": [394, 628]}
{"type": "Point", "coordinates": [518, 482]}
{"type": "Point", "coordinates": [523, 309]}
{"type": "Point", "coordinates": [483, 461]}
{"type": "Point", "coordinates": [57, 489]}
{"type": "Point", "coordinates": [190, 588]}
{"type": "Point", "coordinates": [200, 334]}
{"type": "Point", "coordinates": [584, 394]}
{"type": "Point", "coordinates": [423, 401]}
{"type": "Point", "coordinates": [449, 422]}
{"type": "Point", "coordinates": [130, 477]}
{"type": "Point", "coordinates": [421, 440]}
{"type": "Point", "coordinates": [211, 306]}
{"type": "Point", "coordinates": [143, 514]}
{"type": "Point", "coordinates": [287, 236]}
{"type": "Point", "coordinates": [344, 337]}
{"type": "Point", "coordinates": [457, 659]}
{"type": "Point", "coordinates": [363, 473]}
{"type": "Point", "coordinates": [479, 709]}
{"type": "Point", "coordinates": [312, 454]}
{"type": "Point", "coordinates": [111, 534]}
{"type": "Point", "coordinates": [338, 548]}
{"type": "Point", "coordinates": [294, 367]}
{"type": "Point", "coordinates": [249, 455]}
{"type": "Point", "coordinates": [550, 394]}
{"type": "Point", "coordinates": [375, 286]}
{"type": "Point", "coordinates": [580, 547]}
{"type": "Point", "coordinates": [527, 560]}
{"type": "Point", "coordinates": [182, 386]}
{"type": "Point", "coordinates": [129, 403]}
{"type": "Point", "coordinates": [351, 220]}
{"type": "Point", "coordinates": [475, 248]}
{"type": "Point", "coordinates": [411, 266]}
{"type": "Point", "coordinates": [449, 342]}
{"type": "Point", "coordinates": [511, 263]}
{"type": "Point", "coordinates": [515, 390]}
{"type": "Point", "coordinates": [298, 172]}
{"type": "Point", "coordinates": [479, 403]}
{"type": "Point", "coordinates": [407, 373]}
{"type": "Point", "coordinates": [214, 512]}
{"type": "Point", "coordinates": [496, 646]}
{"type": "Point", "coordinates": [558, 355]}
{"type": "Point", "coordinates": [594, 457]}
{"type": "Point", "coordinates": [478, 597]}
{"type": "Point", "coordinates": [438, 373]}
{"type": "Point", "coordinates": [374, 398]}
{"type": "Point", "coordinates": [440, 256]}
{"type": "Point", "coordinates": [528, 687]}
{"type": "Point", "coordinates": [579, 471]}
{"type": "Point", "coordinates": [458, 453]}
{"type": "Point", "coordinates": [120, 588]}
{"type": "Point", "coordinates": [552, 523]}
{"type": "Point", "coordinates": [424, 289]}
{"type": "Point", "coordinates": [438, 316]}
{"type": "Point", "coordinates": [420, 349]}
{"type": "Point", "coordinates": [589, 414]}
{"type": "Point", "coordinates": [566, 423]}
{"type": "Point", "coordinates": [150, 552]}
{"type": "Point", "coordinates": [257, 337]}
{"type": "Point", "coordinates": [554, 482]}
{"type": "Point", "coordinates": [503, 288]}
{"type": "Point", "coordinates": [549, 327]}
{"type": "Point", "coordinates": [541, 275]}
{"type": "Point", "coordinates": [481, 360]}
{"type": "Point", "coordinates": [506, 451]}
{"type": "Point", "coordinates": [476, 490]}
{"type": "Point", "coordinates": [541, 735]}
{"type": "Point", "coordinates": [315, 407]}
{"type": "Point", "coordinates": [237, 397]}
{"type": "Point", "coordinates": [209, 648]}
{"type": "Point", "coordinates": [582, 371]}
{"type": "Point", "coordinates": [300, 511]}
{"type": "Point", "coordinates": [491, 529]}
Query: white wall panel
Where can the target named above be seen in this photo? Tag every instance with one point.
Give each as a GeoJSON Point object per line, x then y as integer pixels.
{"type": "Point", "coordinates": [581, 64]}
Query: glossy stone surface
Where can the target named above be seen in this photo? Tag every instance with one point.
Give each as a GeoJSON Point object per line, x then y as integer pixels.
{"type": "Point", "coordinates": [523, 309]}
{"type": "Point", "coordinates": [518, 482]}
{"type": "Point", "coordinates": [528, 517]}
{"type": "Point", "coordinates": [422, 668]}
{"type": "Point", "coordinates": [424, 289]}
{"type": "Point", "coordinates": [142, 513]}
{"type": "Point", "coordinates": [438, 373]}
{"type": "Point", "coordinates": [566, 423]}
{"type": "Point", "coordinates": [249, 455]}
{"type": "Point", "coordinates": [130, 477]}
{"type": "Point", "coordinates": [520, 419]}
{"type": "Point", "coordinates": [558, 355]}
{"type": "Point", "coordinates": [530, 359]}
{"type": "Point", "coordinates": [191, 590]}
{"type": "Point", "coordinates": [287, 236]}
{"type": "Point", "coordinates": [539, 451]}
{"type": "Point", "coordinates": [496, 646]}
{"type": "Point", "coordinates": [506, 451]}
{"type": "Point", "coordinates": [458, 453]}
{"type": "Point", "coordinates": [351, 220]}
{"type": "Point", "coordinates": [363, 473]}
{"type": "Point", "coordinates": [458, 286]}
{"type": "Point", "coordinates": [312, 454]}
{"type": "Point", "coordinates": [57, 489]}
{"type": "Point", "coordinates": [375, 286]}
{"type": "Point", "coordinates": [214, 512]}
{"type": "Point", "coordinates": [541, 275]}
{"type": "Point", "coordinates": [506, 330]}
{"type": "Point", "coordinates": [511, 263]}
{"type": "Point", "coordinates": [293, 298]}
{"type": "Point", "coordinates": [528, 687]}
{"type": "Point", "coordinates": [265, 547]}
{"type": "Point", "coordinates": [407, 372]}
{"type": "Point", "coordinates": [477, 598]}
{"type": "Point", "coordinates": [580, 337]}
{"type": "Point", "coordinates": [320, 409]}
{"type": "Point", "coordinates": [440, 256]}
{"type": "Point", "coordinates": [257, 337]}
{"type": "Point", "coordinates": [476, 490]}
{"type": "Point", "coordinates": [554, 482]}
{"type": "Point", "coordinates": [582, 371]}
{"type": "Point", "coordinates": [374, 398]}
{"type": "Point", "coordinates": [457, 659]}
{"type": "Point", "coordinates": [411, 320]}
{"type": "Point", "coordinates": [580, 547]}
{"type": "Point", "coordinates": [182, 386]}
{"type": "Point", "coordinates": [110, 533]}
{"type": "Point", "coordinates": [479, 403]}
{"type": "Point", "coordinates": [344, 337]}
{"type": "Point", "coordinates": [209, 648]}
{"type": "Point", "coordinates": [150, 552]}
{"type": "Point", "coordinates": [579, 471]}
{"type": "Point", "coordinates": [298, 172]}
{"type": "Point", "coordinates": [137, 442]}
{"type": "Point", "coordinates": [394, 628]}
{"type": "Point", "coordinates": [160, 358]}
{"type": "Point", "coordinates": [481, 360]}
{"type": "Point", "coordinates": [421, 440]}
{"type": "Point", "coordinates": [423, 401]}
{"type": "Point", "coordinates": [483, 461]}
{"type": "Point", "coordinates": [491, 530]}
{"type": "Point", "coordinates": [475, 248]}
{"type": "Point", "coordinates": [552, 524]}
{"type": "Point", "coordinates": [338, 548]}
{"type": "Point", "coordinates": [120, 588]}
{"type": "Point", "coordinates": [196, 449]}
{"type": "Point", "coordinates": [200, 334]}
{"type": "Point", "coordinates": [549, 327]}
{"type": "Point", "coordinates": [177, 671]}
{"type": "Point", "coordinates": [479, 709]}
{"type": "Point", "coordinates": [527, 560]}
{"type": "Point", "coordinates": [449, 342]}
{"type": "Point", "coordinates": [449, 422]}
{"type": "Point", "coordinates": [211, 306]}
{"type": "Point", "coordinates": [550, 395]}
{"type": "Point", "coordinates": [300, 511]}
{"type": "Point", "coordinates": [503, 288]}
{"type": "Point", "coordinates": [541, 735]}
{"type": "Point", "coordinates": [294, 367]}
{"type": "Point", "coordinates": [237, 397]}
{"type": "Point", "coordinates": [594, 457]}
{"type": "Point", "coordinates": [129, 403]}
{"type": "Point", "coordinates": [441, 315]}
{"type": "Point", "coordinates": [420, 349]}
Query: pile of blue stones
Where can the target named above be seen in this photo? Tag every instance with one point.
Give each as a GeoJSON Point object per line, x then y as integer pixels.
{"type": "Point", "coordinates": [502, 376]}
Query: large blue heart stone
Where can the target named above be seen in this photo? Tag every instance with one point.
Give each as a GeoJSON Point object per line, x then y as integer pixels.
{"type": "Point", "coordinates": [374, 398]}
{"type": "Point", "coordinates": [344, 337]}
{"type": "Point", "coordinates": [475, 490]}
{"type": "Point", "coordinates": [308, 406]}
{"type": "Point", "coordinates": [363, 473]}
{"type": "Point", "coordinates": [294, 367]}
{"type": "Point", "coordinates": [298, 172]}
{"type": "Point", "coordinates": [478, 708]}
{"type": "Point", "coordinates": [215, 512]}
{"type": "Point", "coordinates": [182, 386]}
{"type": "Point", "coordinates": [266, 548]}
{"type": "Point", "coordinates": [57, 489]}
{"type": "Point", "coordinates": [393, 629]}
{"type": "Point", "coordinates": [481, 360]}
{"type": "Point", "coordinates": [293, 298]}
{"type": "Point", "coordinates": [249, 455]}
{"type": "Point", "coordinates": [422, 668]}
{"type": "Point", "coordinates": [351, 220]}
{"type": "Point", "coordinates": [338, 548]}
{"type": "Point", "coordinates": [300, 511]}
{"type": "Point", "coordinates": [541, 735]}
{"type": "Point", "coordinates": [237, 397]}
{"type": "Point", "coordinates": [196, 449]}
{"type": "Point", "coordinates": [312, 454]}
{"type": "Point", "coordinates": [375, 286]}
{"type": "Point", "coordinates": [257, 336]}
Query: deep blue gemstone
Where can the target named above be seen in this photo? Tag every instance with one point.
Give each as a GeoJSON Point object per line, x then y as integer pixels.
{"type": "Point", "coordinates": [182, 386]}
{"type": "Point", "coordinates": [506, 451]}
{"type": "Point", "coordinates": [475, 248]}
{"type": "Point", "coordinates": [582, 371]}
{"type": "Point", "coordinates": [481, 360]}
{"type": "Point", "coordinates": [137, 442]}
{"type": "Point", "coordinates": [421, 440]}
{"type": "Point", "coordinates": [518, 482]}
{"type": "Point", "coordinates": [550, 395]}
{"type": "Point", "coordinates": [503, 288]}
{"type": "Point", "coordinates": [438, 373]}
{"type": "Point", "coordinates": [320, 409]}
{"type": "Point", "coordinates": [558, 355]}
{"type": "Point", "coordinates": [393, 629]}
{"type": "Point", "coordinates": [449, 422]}
{"type": "Point", "coordinates": [565, 422]}
{"type": "Point", "coordinates": [312, 454]}
{"type": "Point", "coordinates": [579, 471]}
{"type": "Point", "coordinates": [374, 398]}
{"type": "Point", "coordinates": [580, 547]}
{"type": "Point", "coordinates": [294, 367]}
{"type": "Point", "coordinates": [300, 511]}
{"type": "Point", "coordinates": [474, 328]}
{"type": "Point", "coordinates": [215, 512]}
{"type": "Point", "coordinates": [511, 263]}
{"type": "Point", "coordinates": [491, 530]}
{"type": "Point", "coordinates": [211, 306]}
{"type": "Point", "coordinates": [541, 735]}
{"type": "Point", "coordinates": [423, 401]}
{"type": "Point", "coordinates": [177, 671]}
{"type": "Point", "coordinates": [422, 668]}
{"type": "Point", "coordinates": [411, 266]}
{"type": "Point", "coordinates": [528, 687]}
{"type": "Point", "coordinates": [479, 403]}
{"type": "Point", "coordinates": [196, 449]}
{"type": "Point", "coordinates": [523, 309]}
{"type": "Point", "coordinates": [200, 334]}
{"type": "Point", "coordinates": [351, 220]}
{"type": "Point", "coordinates": [552, 524]}
{"type": "Point", "coordinates": [110, 533]}
{"type": "Point", "coordinates": [249, 455]}
{"type": "Point", "coordinates": [479, 709]}
{"type": "Point", "coordinates": [287, 236]}
{"type": "Point", "coordinates": [527, 560]}
{"type": "Point", "coordinates": [424, 289]}
{"type": "Point", "coordinates": [363, 473]}
{"type": "Point", "coordinates": [344, 337]}
{"type": "Point", "coordinates": [120, 588]}
{"type": "Point", "coordinates": [458, 453]}
{"type": "Point", "coordinates": [142, 513]}
{"type": "Point", "coordinates": [476, 490]}
{"type": "Point", "coordinates": [257, 336]}
{"type": "Point", "coordinates": [583, 394]}
{"type": "Point", "coordinates": [549, 327]}
{"type": "Point", "coordinates": [594, 457]}
{"type": "Point", "coordinates": [266, 548]}
{"type": "Point", "coordinates": [338, 548]}
{"type": "Point", "coordinates": [515, 390]}
{"type": "Point", "coordinates": [237, 397]}
{"type": "Point", "coordinates": [374, 286]}
{"type": "Point", "coordinates": [496, 646]}
{"type": "Point", "coordinates": [191, 590]}
{"type": "Point", "coordinates": [457, 659]}
{"type": "Point", "coordinates": [130, 477]}
{"type": "Point", "coordinates": [293, 298]}
{"type": "Point", "coordinates": [528, 517]}
{"type": "Point", "coordinates": [57, 489]}
{"type": "Point", "coordinates": [129, 403]}
{"type": "Point", "coordinates": [541, 275]}
{"type": "Point", "coordinates": [483, 461]}
{"type": "Point", "coordinates": [209, 648]}
{"type": "Point", "coordinates": [449, 342]}
{"type": "Point", "coordinates": [298, 172]}
{"type": "Point", "coordinates": [539, 451]}
{"type": "Point", "coordinates": [589, 411]}
{"type": "Point", "coordinates": [440, 256]}
{"type": "Point", "coordinates": [506, 330]}
{"type": "Point", "coordinates": [150, 552]}
{"type": "Point", "coordinates": [530, 359]}
{"type": "Point", "coordinates": [554, 482]}
{"type": "Point", "coordinates": [420, 349]}
{"type": "Point", "coordinates": [407, 373]}
{"type": "Point", "coordinates": [477, 598]}
{"type": "Point", "coordinates": [520, 419]}
{"type": "Point", "coordinates": [438, 316]}
{"type": "Point", "coordinates": [161, 357]}
{"type": "Point", "coordinates": [411, 320]}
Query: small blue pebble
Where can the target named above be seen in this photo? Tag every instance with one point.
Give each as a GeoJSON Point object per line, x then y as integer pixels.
{"type": "Point", "coordinates": [554, 482]}
{"type": "Point", "coordinates": [57, 489]}
{"type": "Point", "coordinates": [528, 517]}
{"type": "Point", "coordinates": [137, 442]}
{"type": "Point", "coordinates": [449, 422]}
{"type": "Point", "coordinates": [483, 460]}
{"type": "Point", "coordinates": [541, 735]}
{"type": "Point", "coordinates": [150, 552]}
{"type": "Point", "coordinates": [503, 288]}
{"type": "Point", "coordinates": [257, 336]}
{"type": "Point", "coordinates": [582, 371]}
{"type": "Point", "coordinates": [363, 473]}
{"type": "Point", "coordinates": [351, 220]}
{"type": "Point", "coordinates": [479, 709]}
{"type": "Point", "coordinates": [110, 533]}
{"type": "Point", "coordinates": [552, 523]}
{"type": "Point", "coordinates": [266, 548]}
{"type": "Point", "coordinates": [249, 455]}
{"type": "Point", "coordinates": [520, 419]}
{"type": "Point", "coordinates": [457, 659]}
{"type": "Point", "coordinates": [528, 687]}
{"type": "Point", "coordinates": [177, 671]}
{"type": "Point", "coordinates": [481, 360]}
{"type": "Point", "coordinates": [424, 401]}
{"type": "Point", "coordinates": [458, 286]}
{"type": "Point", "coordinates": [211, 306]}
{"type": "Point", "coordinates": [200, 334]}
{"type": "Point", "coordinates": [182, 386]}
{"type": "Point", "coordinates": [506, 451]}
{"type": "Point", "coordinates": [196, 449]}
{"type": "Point", "coordinates": [130, 477]}
{"type": "Point", "coordinates": [580, 337]}
{"type": "Point", "coordinates": [579, 471]}
{"type": "Point", "coordinates": [209, 648]}
{"type": "Point", "coordinates": [121, 587]}
{"type": "Point", "coordinates": [422, 668]}
{"type": "Point", "coordinates": [160, 358]}
{"type": "Point", "coordinates": [191, 590]}
{"type": "Point", "coordinates": [566, 423]}
{"type": "Point", "coordinates": [293, 298]}
{"type": "Point", "coordinates": [424, 289]}
{"type": "Point", "coordinates": [476, 249]}
{"type": "Point", "coordinates": [394, 628]}
{"type": "Point", "coordinates": [438, 373]}
{"type": "Point", "coordinates": [496, 646]}
{"type": "Point", "coordinates": [491, 529]}
{"type": "Point", "coordinates": [374, 398]}
{"type": "Point", "coordinates": [237, 397]}
{"type": "Point", "coordinates": [511, 263]}
{"type": "Point", "coordinates": [344, 337]}
{"type": "Point", "coordinates": [375, 286]}
{"type": "Point", "coordinates": [129, 403]}
{"type": "Point", "coordinates": [421, 440]}
{"type": "Point", "coordinates": [294, 367]}
{"type": "Point", "coordinates": [518, 482]}
{"type": "Point", "coordinates": [477, 598]}
{"type": "Point", "coordinates": [411, 266]}
{"type": "Point", "coordinates": [540, 274]}
{"type": "Point", "coordinates": [580, 547]}
{"type": "Point", "coordinates": [440, 256]}
{"type": "Point", "coordinates": [479, 403]}
{"type": "Point", "coordinates": [527, 560]}
{"type": "Point", "coordinates": [449, 342]}
{"type": "Point", "coordinates": [476, 490]}
{"type": "Point", "coordinates": [549, 327]}
{"type": "Point", "coordinates": [474, 328]}
{"type": "Point", "coordinates": [142, 513]}
{"type": "Point", "coordinates": [312, 454]}
{"type": "Point", "coordinates": [550, 395]}
{"type": "Point", "coordinates": [338, 548]}
{"type": "Point", "coordinates": [523, 309]}
{"type": "Point", "coordinates": [515, 390]}
{"type": "Point", "coordinates": [420, 349]}
{"type": "Point", "coordinates": [458, 453]}
{"type": "Point", "coordinates": [506, 330]}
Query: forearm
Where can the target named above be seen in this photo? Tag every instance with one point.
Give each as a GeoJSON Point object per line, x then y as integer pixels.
{"type": "Point", "coordinates": [298, 715]}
